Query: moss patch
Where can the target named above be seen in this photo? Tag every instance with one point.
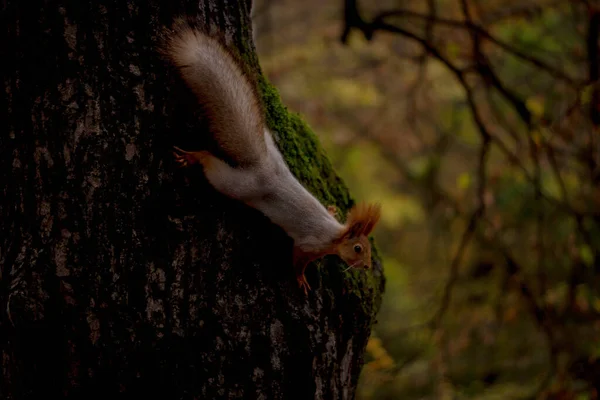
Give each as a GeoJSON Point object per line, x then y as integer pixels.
{"type": "Point", "coordinates": [309, 163]}
{"type": "Point", "coordinates": [302, 152]}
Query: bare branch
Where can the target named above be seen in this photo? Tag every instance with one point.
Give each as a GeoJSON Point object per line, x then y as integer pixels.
{"type": "Point", "coordinates": [467, 235]}
{"type": "Point", "coordinates": [381, 17]}
{"type": "Point", "coordinates": [594, 61]}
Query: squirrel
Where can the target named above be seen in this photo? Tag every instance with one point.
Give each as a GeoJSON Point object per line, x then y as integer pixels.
{"type": "Point", "coordinates": [260, 177]}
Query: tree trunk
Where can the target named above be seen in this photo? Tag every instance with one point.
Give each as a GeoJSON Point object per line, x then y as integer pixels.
{"type": "Point", "coordinates": [123, 275]}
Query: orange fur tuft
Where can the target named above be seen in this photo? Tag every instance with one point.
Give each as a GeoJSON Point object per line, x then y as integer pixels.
{"type": "Point", "coordinates": [361, 220]}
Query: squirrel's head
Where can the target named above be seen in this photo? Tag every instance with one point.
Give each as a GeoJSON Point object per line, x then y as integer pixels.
{"type": "Point", "coordinates": [353, 246]}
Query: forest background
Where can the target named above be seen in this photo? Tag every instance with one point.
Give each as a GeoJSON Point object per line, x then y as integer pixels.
{"type": "Point", "coordinates": [475, 124]}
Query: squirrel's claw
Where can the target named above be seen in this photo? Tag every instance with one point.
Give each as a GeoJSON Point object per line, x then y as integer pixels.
{"type": "Point", "coordinates": [180, 160]}
{"type": "Point", "coordinates": [332, 210]}
{"type": "Point", "coordinates": [303, 284]}
{"type": "Point", "coordinates": [183, 158]}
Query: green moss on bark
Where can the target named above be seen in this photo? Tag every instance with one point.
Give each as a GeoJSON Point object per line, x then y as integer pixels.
{"type": "Point", "coordinates": [300, 147]}
{"type": "Point", "coordinates": [309, 163]}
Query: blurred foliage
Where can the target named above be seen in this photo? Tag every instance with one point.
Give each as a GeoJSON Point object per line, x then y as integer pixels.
{"type": "Point", "coordinates": [475, 124]}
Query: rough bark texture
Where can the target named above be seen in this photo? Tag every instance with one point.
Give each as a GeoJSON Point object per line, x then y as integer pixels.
{"type": "Point", "coordinates": [121, 274]}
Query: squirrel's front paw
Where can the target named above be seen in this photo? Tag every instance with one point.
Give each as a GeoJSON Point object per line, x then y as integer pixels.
{"type": "Point", "coordinates": [182, 157]}
{"type": "Point", "coordinates": [332, 210]}
{"type": "Point", "coordinates": [303, 284]}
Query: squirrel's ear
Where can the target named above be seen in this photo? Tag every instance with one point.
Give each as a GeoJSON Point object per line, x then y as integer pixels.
{"type": "Point", "coordinates": [355, 230]}
{"type": "Point", "coordinates": [362, 219]}
{"type": "Point", "coordinates": [370, 224]}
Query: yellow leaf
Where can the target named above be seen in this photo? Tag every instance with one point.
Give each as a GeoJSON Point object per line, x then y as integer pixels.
{"type": "Point", "coordinates": [596, 304]}
{"type": "Point", "coordinates": [453, 50]}
{"type": "Point", "coordinates": [586, 94]}
{"type": "Point", "coordinates": [373, 343]}
{"type": "Point", "coordinates": [382, 360]}
{"type": "Point", "coordinates": [520, 177]}
{"type": "Point", "coordinates": [535, 105]}
{"type": "Point", "coordinates": [463, 181]}
{"type": "Point", "coordinates": [586, 254]}
{"type": "Point", "coordinates": [351, 92]}
{"type": "Point", "coordinates": [356, 40]}
{"type": "Point", "coordinates": [386, 361]}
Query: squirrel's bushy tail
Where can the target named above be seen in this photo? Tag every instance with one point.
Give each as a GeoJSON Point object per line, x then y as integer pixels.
{"type": "Point", "coordinates": [228, 97]}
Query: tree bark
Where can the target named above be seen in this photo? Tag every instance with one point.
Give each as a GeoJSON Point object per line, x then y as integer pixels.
{"type": "Point", "coordinates": [122, 275]}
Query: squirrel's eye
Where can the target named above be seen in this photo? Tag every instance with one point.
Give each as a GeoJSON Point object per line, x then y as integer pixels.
{"type": "Point", "coordinates": [357, 248]}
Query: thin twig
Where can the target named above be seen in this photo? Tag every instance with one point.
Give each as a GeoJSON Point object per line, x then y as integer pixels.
{"type": "Point", "coordinates": [380, 20]}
